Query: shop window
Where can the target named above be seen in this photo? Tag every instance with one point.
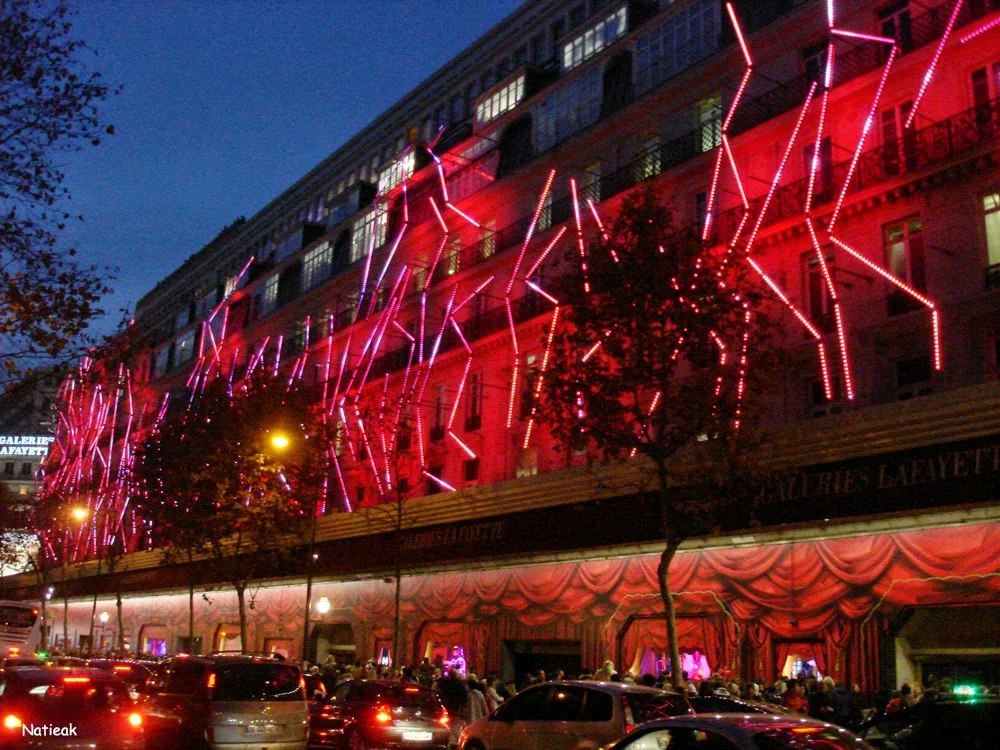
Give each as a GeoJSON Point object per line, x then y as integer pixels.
{"type": "Point", "coordinates": [913, 378]}
{"type": "Point", "coordinates": [187, 645]}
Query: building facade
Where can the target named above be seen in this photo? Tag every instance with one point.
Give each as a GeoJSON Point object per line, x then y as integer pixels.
{"type": "Point", "coordinates": [855, 157]}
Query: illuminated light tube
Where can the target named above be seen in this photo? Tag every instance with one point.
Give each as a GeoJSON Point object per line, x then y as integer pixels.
{"type": "Point", "coordinates": [707, 230]}
{"type": "Point", "coordinates": [831, 51]}
{"type": "Point", "coordinates": [825, 370]}
{"type": "Point", "coordinates": [437, 259]}
{"type": "Point", "coordinates": [531, 230]}
{"type": "Point", "coordinates": [597, 218]}
{"type": "Point", "coordinates": [829, 13]}
{"type": "Point", "coordinates": [235, 285]}
{"type": "Point", "coordinates": [420, 437]}
{"type": "Point", "coordinates": [517, 357]}
{"type": "Point", "coordinates": [883, 273]}
{"type": "Point", "coordinates": [458, 396]}
{"type": "Point", "coordinates": [437, 213]}
{"type": "Point", "coordinates": [969, 36]}
{"type": "Point", "coordinates": [461, 336]}
{"type": "Point", "coordinates": [476, 291]}
{"type": "Point", "coordinates": [936, 333]}
{"type": "Point", "coordinates": [866, 37]}
{"type": "Point", "coordinates": [590, 352]}
{"type": "Point", "coordinates": [527, 433]}
{"type": "Point", "coordinates": [392, 253]}
{"type": "Point", "coordinates": [739, 34]}
{"type": "Point", "coordinates": [781, 167]}
{"type": "Point", "coordinates": [439, 482]}
{"type": "Point", "coordinates": [736, 172]}
{"type": "Point", "coordinates": [406, 203]}
{"type": "Point", "coordinates": [740, 90]}
{"type": "Point", "coordinates": [861, 141]}
{"type": "Point", "coordinates": [579, 234]}
{"type": "Point", "coordinates": [845, 361]}
{"type": "Point", "coordinates": [722, 347]}
{"type": "Point", "coordinates": [788, 303]}
{"type": "Point", "coordinates": [466, 449]}
{"type": "Point", "coordinates": [542, 292]}
{"type": "Point", "coordinates": [545, 252]}
{"type": "Point", "coordinates": [403, 331]}
{"type": "Point", "coordinates": [444, 186]}
{"type": "Point", "coordinates": [814, 166]}
{"type": "Point", "coordinates": [934, 61]}
{"type": "Point", "coordinates": [464, 215]}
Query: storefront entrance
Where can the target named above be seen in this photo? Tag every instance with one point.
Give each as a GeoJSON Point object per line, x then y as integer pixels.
{"type": "Point", "coordinates": [522, 658]}
{"type": "Point", "coordinates": [332, 639]}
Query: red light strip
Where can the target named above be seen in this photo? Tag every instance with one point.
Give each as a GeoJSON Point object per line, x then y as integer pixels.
{"type": "Point", "coordinates": [845, 360]}
{"type": "Point", "coordinates": [541, 373]}
{"type": "Point", "coordinates": [865, 37]}
{"type": "Point", "coordinates": [542, 292]}
{"type": "Point", "coordinates": [740, 91]}
{"type": "Point", "coordinates": [829, 13]}
{"type": "Point", "coordinates": [439, 482]}
{"type": "Point", "coordinates": [736, 172]}
{"type": "Point", "coordinates": [817, 146]}
{"type": "Point", "coordinates": [969, 36]}
{"type": "Point", "coordinates": [597, 218]}
{"type": "Point", "coordinates": [440, 171]}
{"type": "Point", "coordinates": [464, 215]}
{"type": "Point", "coordinates": [463, 446]}
{"type": "Point", "coordinates": [531, 230]}
{"type": "Point", "coordinates": [934, 61]}
{"type": "Point", "coordinates": [590, 352]}
{"type": "Point", "coordinates": [545, 252]}
{"type": "Point", "coordinates": [861, 140]}
{"type": "Point", "coordinates": [468, 299]}
{"type": "Point", "coordinates": [739, 34]}
{"type": "Point", "coordinates": [579, 234]}
{"type": "Point", "coordinates": [437, 213]}
{"type": "Point", "coordinates": [458, 396]}
{"type": "Point", "coordinates": [517, 358]}
{"type": "Point", "coordinates": [781, 167]}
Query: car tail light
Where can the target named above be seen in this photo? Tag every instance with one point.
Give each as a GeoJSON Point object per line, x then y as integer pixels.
{"type": "Point", "coordinates": [411, 690]}
{"type": "Point", "coordinates": [210, 681]}
{"type": "Point", "coordinates": [444, 719]}
{"type": "Point", "coordinates": [383, 716]}
{"type": "Point", "coordinates": [13, 651]}
{"type": "Point", "coordinates": [75, 680]}
{"type": "Point", "coordinates": [12, 722]}
{"type": "Point", "coordinates": [135, 720]}
{"type": "Point", "coordinates": [122, 668]}
{"type": "Point", "coordinates": [807, 730]}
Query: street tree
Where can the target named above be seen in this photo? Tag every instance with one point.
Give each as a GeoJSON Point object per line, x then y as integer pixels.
{"type": "Point", "coordinates": [650, 362]}
{"type": "Point", "coordinates": [49, 102]}
{"type": "Point", "coordinates": [212, 482]}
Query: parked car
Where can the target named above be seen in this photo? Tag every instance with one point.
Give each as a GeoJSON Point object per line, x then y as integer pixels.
{"type": "Point", "coordinates": [133, 673]}
{"type": "Point", "coordinates": [243, 702]}
{"type": "Point", "coordinates": [570, 715]}
{"type": "Point", "coordinates": [717, 704]}
{"type": "Point", "coordinates": [740, 732]}
{"type": "Point", "coordinates": [927, 725]}
{"type": "Point", "coordinates": [362, 714]}
{"type": "Point", "coordinates": [63, 707]}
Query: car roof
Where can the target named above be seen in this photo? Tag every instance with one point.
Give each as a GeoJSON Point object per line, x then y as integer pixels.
{"type": "Point", "coordinates": [45, 672]}
{"type": "Point", "coordinates": [747, 722]}
{"type": "Point", "coordinates": [611, 687]}
{"type": "Point", "coordinates": [233, 659]}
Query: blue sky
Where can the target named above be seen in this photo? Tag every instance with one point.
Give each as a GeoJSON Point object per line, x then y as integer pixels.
{"type": "Point", "coordinates": [227, 102]}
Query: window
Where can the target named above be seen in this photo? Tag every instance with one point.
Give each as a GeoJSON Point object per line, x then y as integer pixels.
{"type": "Point", "coordinates": [816, 292]}
{"type": "Point", "coordinates": [395, 172]}
{"type": "Point", "coordinates": [433, 487]}
{"type": "Point", "coordinates": [650, 159]}
{"type": "Point", "coordinates": [557, 29]}
{"type": "Point", "coordinates": [709, 113]}
{"type": "Point", "coordinates": [527, 462]}
{"type": "Point", "coordinates": [470, 470]}
{"type": "Point", "coordinates": [317, 266]}
{"type": "Point", "coordinates": [899, 146]}
{"type": "Point", "coordinates": [894, 22]}
{"type": "Point", "coordinates": [676, 43]}
{"type": "Point", "coordinates": [500, 101]}
{"type": "Point", "coordinates": [824, 166]}
{"type": "Point", "coordinates": [590, 183]}
{"type": "Point", "coordinates": [985, 89]}
{"type": "Point", "coordinates": [8, 469]}
{"type": "Point", "coordinates": [545, 217]}
{"type": "Point", "coordinates": [819, 406]}
{"type": "Point", "coordinates": [577, 16]}
{"type": "Point", "coordinates": [521, 56]}
{"type": "Point", "coordinates": [539, 49]}
{"type": "Point", "coordinates": [991, 216]}
{"type": "Point", "coordinates": [904, 252]}
{"type": "Point", "coordinates": [440, 413]}
{"type": "Point", "coordinates": [913, 377]}
{"type": "Point", "coordinates": [267, 297]}
{"type": "Point", "coordinates": [370, 226]}
{"type": "Point", "coordinates": [567, 110]}
{"type": "Point", "coordinates": [457, 109]}
{"type": "Point", "coordinates": [528, 705]}
{"type": "Point", "coordinates": [184, 348]}
{"type": "Point", "coordinates": [474, 402]}
{"type": "Point", "coordinates": [814, 62]}
{"type": "Point", "coordinates": [596, 38]}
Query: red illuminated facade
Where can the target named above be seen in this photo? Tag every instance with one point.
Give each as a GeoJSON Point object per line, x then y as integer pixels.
{"type": "Point", "coordinates": [848, 148]}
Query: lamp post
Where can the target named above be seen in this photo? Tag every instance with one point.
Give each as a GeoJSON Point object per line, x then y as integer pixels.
{"type": "Point", "coordinates": [78, 514]}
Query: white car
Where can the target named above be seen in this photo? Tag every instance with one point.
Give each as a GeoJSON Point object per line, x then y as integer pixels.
{"type": "Point", "coordinates": [571, 715]}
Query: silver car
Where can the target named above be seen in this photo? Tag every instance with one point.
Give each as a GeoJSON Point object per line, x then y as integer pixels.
{"type": "Point", "coordinates": [740, 732]}
{"type": "Point", "coordinates": [220, 702]}
{"type": "Point", "coordinates": [570, 715]}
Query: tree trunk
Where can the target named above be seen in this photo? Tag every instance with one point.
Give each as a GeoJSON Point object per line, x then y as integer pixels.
{"type": "Point", "coordinates": [93, 609]}
{"type": "Point", "coordinates": [121, 622]}
{"type": "Point", "coordinates": [663, 572]}
{"type": "Point", "coordinates": [65, 619]}
{"type": "Point", "coordinates": [397, 545]}
{"type": "Point", "coordinates": [190, 556]}
{"type": "Point", "coordinates": [241, 591]}
{"type": "Point", "coordinates": [43, 635]}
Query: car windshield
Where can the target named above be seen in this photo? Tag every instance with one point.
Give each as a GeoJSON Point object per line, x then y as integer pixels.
{"type": "Point", "coordinates": [17, 617]}
{"type": "Point", "coordinates": [648, 706]}
{"type": "Point", "coordinates": [402, 695]}
{"type": "Point", "coordinates": [257, 682]}
{"type": "Point", "coordinates": [806, 738]}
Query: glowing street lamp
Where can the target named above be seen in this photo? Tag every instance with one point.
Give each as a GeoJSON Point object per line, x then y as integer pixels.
{"type": "Point", "coordinates": [79, 513]}
{"type": "Point", "coordinates": [323, 605]}
{"type": "Point", "coordinates": [279, 440]}
{"type": "Point", "coordinates": [104, 617]}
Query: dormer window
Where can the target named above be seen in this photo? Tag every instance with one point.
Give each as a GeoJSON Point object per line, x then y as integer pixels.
{"type": "Point", "coordinates": [593, 40]}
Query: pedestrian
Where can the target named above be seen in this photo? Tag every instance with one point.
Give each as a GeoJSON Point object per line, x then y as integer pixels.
{"type": "Point", "coordinates": [821, 705]}
{"type": "Point", "coordinates": [477, 701]}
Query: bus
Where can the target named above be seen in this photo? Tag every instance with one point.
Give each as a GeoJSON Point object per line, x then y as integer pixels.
{"type": "Point", "coordinates": [17, 620]}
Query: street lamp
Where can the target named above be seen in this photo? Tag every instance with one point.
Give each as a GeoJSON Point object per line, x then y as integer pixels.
{"type": "Point", "coordinates": [280, 441]}
{"type": "Point", "coordinates": [79, 513]}
{"type": "Point", "coordinates": [323, 605]}
{"type": "Point", "coordinates": [104, 617]}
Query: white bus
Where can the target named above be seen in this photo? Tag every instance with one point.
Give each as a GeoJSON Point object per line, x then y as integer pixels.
{"type": "Point", "coordinates": [17, 621]}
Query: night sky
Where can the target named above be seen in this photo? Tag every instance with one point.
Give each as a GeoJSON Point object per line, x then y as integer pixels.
{"type": "Point", "coordinates": [226, 103]}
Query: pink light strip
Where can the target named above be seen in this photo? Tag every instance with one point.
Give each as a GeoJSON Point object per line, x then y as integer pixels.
{"type": "Point", "coordinates": [597, 219]}
{"type": "Point", "coordinates": [969, 36]}
{"type": "Point", "coordinates": [541, 258]}
{"type": "Point", "coordinates": [463, 446]}
{"type": "Point", "coordinates": [579, 234]}
{"type": "Point", "coordinates": [710, 206]}
{"type": "Point", "coordinates": [464, 215]}
{"type": "Point", "coordinates": [440, 482]}
{"type": "Point", "coordinates": [934, 61]}
{"type": "Point", "coordinates": [531, 230]}
{"type": "Point", "coordinates": [590, 352]}
{"type": "Point", "coordinates": [542, 292]}
{"type": "Point", "coordinates": [865, 37]}
{"type": "Point", "coordinates": [437, 213]}
{"type": "Point", "coordinates": [477, 290]}
{"type": "Point", "coordinates": [739, 34]}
